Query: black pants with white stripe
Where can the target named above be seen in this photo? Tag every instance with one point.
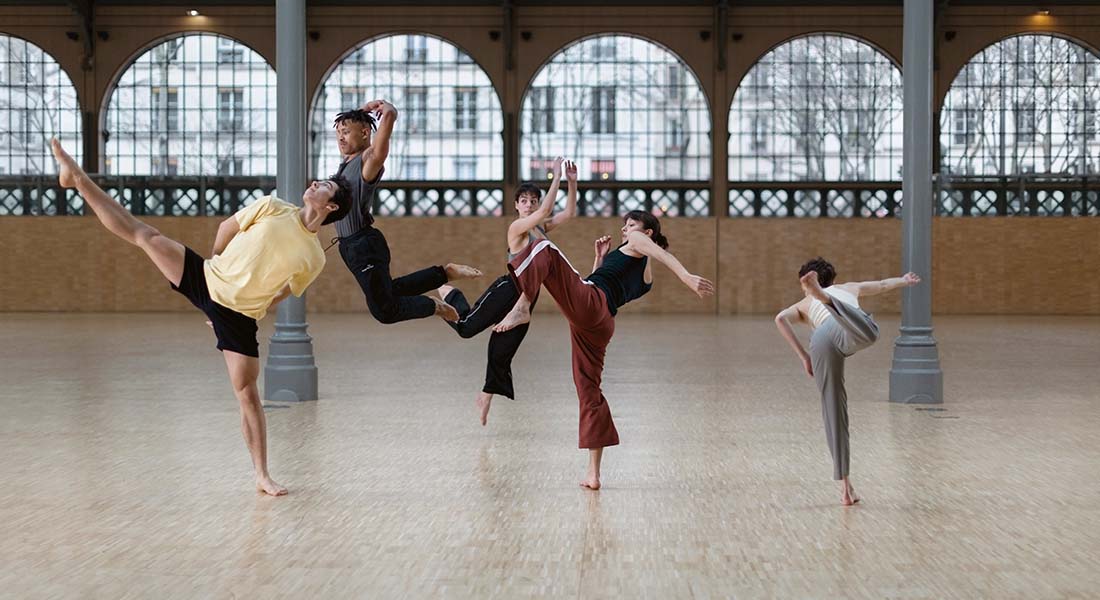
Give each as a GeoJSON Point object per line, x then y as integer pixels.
{"type": "Point", "coordinates": [488, 310]}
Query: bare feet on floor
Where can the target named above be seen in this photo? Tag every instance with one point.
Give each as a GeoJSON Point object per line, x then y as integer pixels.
{"type": "Point", "coordinates": [268, 486]}
{"type": "Point", "coordinates": [812, 288]}
{"type": "Point", "coordinates": [592, 482]}
{"type": "Point", "coordinates": [483, 401]}
{"type": "Point", "coordinates": [515, 317]}
{"type": "Point", "coordinates": [67, 169]}
{"type": "Point", "coordinates": [849, 497]}
{"type": "Point", "coordinates": [460, 272]}
{"type": "Point", "coordinates": [444, 310]}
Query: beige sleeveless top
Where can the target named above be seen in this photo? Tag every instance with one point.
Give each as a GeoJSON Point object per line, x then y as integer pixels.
{"type": "Point", "coordinates": [818, 312]}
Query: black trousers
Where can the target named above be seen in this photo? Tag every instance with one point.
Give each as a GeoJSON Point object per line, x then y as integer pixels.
{"type": "Point", "coordinates": [488, 310]}
{"type": "Point", "coordinates": [367, 256]}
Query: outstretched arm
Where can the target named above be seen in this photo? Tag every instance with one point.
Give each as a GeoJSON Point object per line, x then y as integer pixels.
{"type": "Point", "coordinates": [783, 323]}
{"type": "Point", "coordinates": [226, 231]}
{"type": "Point", "coordinates": [570, 198]}
{"type": "Point", "coordinates": [375, 154]}
{"type": "Point", "coordinates": [642, 244]}
{"type": "Point", "coordinates": [872, 288]}
{"type": "Point", "coordinates": [521, 226]}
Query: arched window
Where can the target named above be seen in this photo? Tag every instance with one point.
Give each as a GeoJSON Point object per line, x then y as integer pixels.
{"type": "Point", "coordinates": [194, 104]}
{"type": "Point", "coordinates": [626, 110]}
{"type": "Point", "coordinates": [821, 107]}
{"type": "Point", "coordinates": [1026, 104]}
{"type": "Point", "coordinates": [37, 101]}
{"type": "Point", "coordinates": [449, 126]}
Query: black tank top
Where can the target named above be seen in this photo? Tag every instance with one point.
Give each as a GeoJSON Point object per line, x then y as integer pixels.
{"type": "Point", "coordinates": [622, 278]}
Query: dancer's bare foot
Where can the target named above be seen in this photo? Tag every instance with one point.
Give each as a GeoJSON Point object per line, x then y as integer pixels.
{"type": "Point", "coordinates": [515, 317]}
{"type": "Point", "coordinates": [848, 496]}
{"type": "Point", "coordinates": [460, 272]}
{"type": "Point", "coordinates": [812, 288]}
{"type": "Point", "coordinates": [483, 401]}
{"type": "Point", "coordinates": [444, 291]}
{"type": "Point", "coordinates": [444, 310]}
{"type": "Point", "coordinates": [268, 486]}
{"type": "Point", "coordinates": [592, 481]}
{"type": "Point", "coordinates": [68, 172]}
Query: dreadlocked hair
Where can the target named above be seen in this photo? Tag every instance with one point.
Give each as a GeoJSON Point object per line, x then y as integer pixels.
{"type": "Point", "coordinates": [357, 115]}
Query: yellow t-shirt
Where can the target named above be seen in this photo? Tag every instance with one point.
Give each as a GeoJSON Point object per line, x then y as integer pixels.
{"type": "Point", "coordinates": [272, 249]}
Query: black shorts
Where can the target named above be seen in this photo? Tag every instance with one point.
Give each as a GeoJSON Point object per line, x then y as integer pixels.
{"type": "Point", "coordinates": [235, 332]}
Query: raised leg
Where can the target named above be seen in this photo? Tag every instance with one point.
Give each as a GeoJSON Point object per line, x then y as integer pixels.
{"type": "Point", "coordinates": [166, 253]}
{"type": "Point", "coordinates": [542, 264]}
{"type": "Point", "coordinates": [857, 324]}
{"type": "Point", "coordinates": [368, 259]}
{"type": "Point", "coordinates": [519, 315]}
{"type": "Point", "coordinates": [419, 282]}
{"type": "Point", "coordinates": [493, 304]}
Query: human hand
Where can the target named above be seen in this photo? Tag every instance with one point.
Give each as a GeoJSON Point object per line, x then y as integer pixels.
{"type": "Point", "coordinates": [571, 171]}
{"type": "Point", "coordinates": [555, 167]}
{"type": "Point", "coordinates": [603, 245]}
{"type": "Point", "coordinates": [700, 285]}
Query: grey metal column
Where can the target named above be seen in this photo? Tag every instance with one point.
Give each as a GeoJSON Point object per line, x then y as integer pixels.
{"type": "Point", "coordinates": [915, 376]}
{"type": "Point", "coordinates": [290, 374]}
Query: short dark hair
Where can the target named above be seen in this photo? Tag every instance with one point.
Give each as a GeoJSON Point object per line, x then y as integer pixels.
{"type": "Point", "coordinates": [527, 188]}
{"type": "Point", "coordinates": [356, 115]}
{"type": "Point", "coordinates": [649, 221]}
{"type": "Point", "coordinates": [342, 199]}
{"type": "Point", "coordinates": [826, 273]}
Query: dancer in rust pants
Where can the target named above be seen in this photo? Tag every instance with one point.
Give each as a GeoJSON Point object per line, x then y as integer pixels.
{"type": "Point", "coordinates": [590, 305]}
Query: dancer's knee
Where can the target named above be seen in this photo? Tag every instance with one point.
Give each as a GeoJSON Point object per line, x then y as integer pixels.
{"type": "Point", "coordinates": [384, 316]}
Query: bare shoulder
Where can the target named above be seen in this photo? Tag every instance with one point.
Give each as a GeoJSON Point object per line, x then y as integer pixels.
{"type": "Point", "coordinates": [802, 307]}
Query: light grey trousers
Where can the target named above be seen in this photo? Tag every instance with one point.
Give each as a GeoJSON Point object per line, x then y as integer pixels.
{"type": "Point", "coordinates": [849, 331]}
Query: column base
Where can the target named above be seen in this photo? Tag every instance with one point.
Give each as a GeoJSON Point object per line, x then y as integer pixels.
{"type": "Point", "coordinates": [290, 374]}
{"type": "Point", "coordinates": [916, 376]}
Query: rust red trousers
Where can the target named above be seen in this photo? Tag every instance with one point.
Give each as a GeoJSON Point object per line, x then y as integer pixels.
{"type": "Point", "coordinates": [590, 325]}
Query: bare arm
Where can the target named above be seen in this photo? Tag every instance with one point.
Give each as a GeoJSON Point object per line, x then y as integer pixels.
{"type": "Point", "coordinates": [603, 245]}
{"type": "Point", "coordinates": [570, 198]}
{"type": "Point", "coordinates": [783, 323]}
{"type": "Point", "coordinates": [226, 230]}
{"type": "Point", "coordinates": [375, 155]}
{"type": "Point", "coordinates": [642, 244]}
{"type": "Point", "coordinates": [872, 288]}
{"type": "Point", "coordinates": [519, 228]}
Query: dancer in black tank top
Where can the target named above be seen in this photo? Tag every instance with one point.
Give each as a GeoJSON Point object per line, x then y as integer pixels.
{"type": "Point", "coordinates": [590, 305]}
{"type": "Point", "coordinates": [536, 219]}
{"type": "Point", "coordinates": [362, 246]}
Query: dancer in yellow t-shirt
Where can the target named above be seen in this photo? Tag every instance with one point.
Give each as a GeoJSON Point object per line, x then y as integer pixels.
{"type": "Point", "coordinates": [262, 254]}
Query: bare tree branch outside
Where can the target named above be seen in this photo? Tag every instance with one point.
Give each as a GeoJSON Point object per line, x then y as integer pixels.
{"type": "Point", "coordinates": [38, 102]}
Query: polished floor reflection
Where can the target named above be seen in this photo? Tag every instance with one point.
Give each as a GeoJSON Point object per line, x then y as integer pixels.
{"type": "Point", "coordinates": [124, 473]}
